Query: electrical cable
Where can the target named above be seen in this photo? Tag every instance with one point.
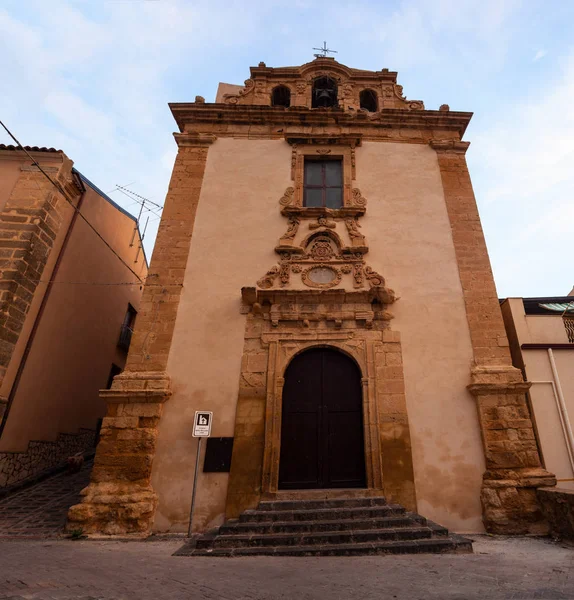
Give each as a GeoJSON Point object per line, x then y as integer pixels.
{"type": "Point", "coordinates": [63, 193]}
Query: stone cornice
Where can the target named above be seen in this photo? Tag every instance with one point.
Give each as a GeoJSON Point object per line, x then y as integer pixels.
{"type": "Point", "coordinates": [194, 139]}
{"type": "Point", "coordinates": [458, 147]}
{"type": "Point", "coordinates": [251, 295]}
{"type": "Point", "coordinates": [138, 387]}
{"type": "Point", "coordinates": [334, 139]}
{"type": "Point", "coordinates": [299, 119]}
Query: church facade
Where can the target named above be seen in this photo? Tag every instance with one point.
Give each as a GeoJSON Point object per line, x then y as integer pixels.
{"type": "Point", "coordinates": [321, 283]}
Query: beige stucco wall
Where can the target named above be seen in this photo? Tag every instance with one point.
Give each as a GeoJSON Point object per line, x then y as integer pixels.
{"type": "Point", "coordinates": [410, 242]}
{"type": "Point", "coordinates": [237, 226]}
{"type": "Point", "coordinates": [75, 344]}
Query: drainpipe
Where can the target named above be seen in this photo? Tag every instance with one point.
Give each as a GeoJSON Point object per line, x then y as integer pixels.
{"type": "Point", "coordinates": [562, 408]}
{"type": "Point", "coordinates": [43, 304]}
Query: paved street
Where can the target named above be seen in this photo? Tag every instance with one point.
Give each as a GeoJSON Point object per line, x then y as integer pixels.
{"type": "Point", "coordinates": [509, 568]}
{"type": "Point", "coordinates": [40, 511]}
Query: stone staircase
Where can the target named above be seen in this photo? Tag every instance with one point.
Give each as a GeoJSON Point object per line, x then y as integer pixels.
{"type": "Point", "coordinates": [334, 527]}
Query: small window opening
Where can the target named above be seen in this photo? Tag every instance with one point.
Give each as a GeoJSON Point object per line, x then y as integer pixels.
{"type": "Point", "coordinates": [324, 93]}
{"type": "Point", "coordinates": [323, 186]}
{"type": "Point", "coordinates": [127, 328]}
{"type": "Point", "coordinates": [368, 100]}
{"type": "Point", "coordinates": [281, 96]}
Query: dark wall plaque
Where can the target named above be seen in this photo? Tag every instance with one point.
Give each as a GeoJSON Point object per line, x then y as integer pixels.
{"type": "Point", "coordinates": [218, 455]}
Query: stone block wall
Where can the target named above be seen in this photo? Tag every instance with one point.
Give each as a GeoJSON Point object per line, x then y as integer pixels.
{"type": "Point", "coordinates": [40, 456]}
{"type": "Point", "coordinates": [558, 508]}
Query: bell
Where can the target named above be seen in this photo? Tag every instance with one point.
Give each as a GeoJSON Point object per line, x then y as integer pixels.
{"type": "Point", "coordinates": [324, 97]}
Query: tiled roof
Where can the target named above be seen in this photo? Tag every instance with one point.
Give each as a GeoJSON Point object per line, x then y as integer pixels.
{"type": "Point", "coordinates": [28, 148]}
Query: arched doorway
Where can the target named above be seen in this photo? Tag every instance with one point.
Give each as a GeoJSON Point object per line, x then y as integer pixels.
{"type": "Point", "coordinates": [322, 423]}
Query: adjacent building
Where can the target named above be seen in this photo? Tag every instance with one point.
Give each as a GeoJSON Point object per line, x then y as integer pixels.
{"type": "Point", "coordinates": [68, 302]}
{"type": "Point", "coordinates": [321, 283]}
{"type": "Point", "coordinates": [541, 336]}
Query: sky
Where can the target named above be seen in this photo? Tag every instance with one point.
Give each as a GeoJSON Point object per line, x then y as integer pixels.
{"type": "Point", "coordinates": [93, 78]}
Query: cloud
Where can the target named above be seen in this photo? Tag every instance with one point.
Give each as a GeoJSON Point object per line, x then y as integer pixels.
{"type": "Point", "coordinates": [94, 78]}
{"type": "Point", "coordinates": [526, 186]}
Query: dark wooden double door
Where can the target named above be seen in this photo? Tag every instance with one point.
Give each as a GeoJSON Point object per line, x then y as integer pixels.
{"type": "Point", "coordinates": [322, 442]}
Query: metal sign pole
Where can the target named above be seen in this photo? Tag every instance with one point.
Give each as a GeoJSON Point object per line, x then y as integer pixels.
{"type": "Point", "coordinates": [194, 487]}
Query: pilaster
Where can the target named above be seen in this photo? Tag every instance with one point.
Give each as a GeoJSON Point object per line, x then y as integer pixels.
{"type": "Point", "coordinates": [513, 465]}
{"type": "Point", "coordinates": [120, 499]}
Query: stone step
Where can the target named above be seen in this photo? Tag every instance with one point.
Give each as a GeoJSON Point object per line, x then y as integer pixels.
{"type": "Point", "coordinates": [324, 514]}
{"type": "Point", "coordinates": [316, 539]}
{"type": "Point", "coordinates": [236, 527]}
{"type": "Point", "coordinates": [322, 503]}
{"type": "Point", "coordinates": [450, 544]}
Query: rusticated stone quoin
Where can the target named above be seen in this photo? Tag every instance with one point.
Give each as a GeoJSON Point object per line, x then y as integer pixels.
{"type": "Point", "coordinates": [29, 224]}
{"type": "Point", "coordinates": [513, 465]}
{"type": "Point", "coordinates": [120, 499]}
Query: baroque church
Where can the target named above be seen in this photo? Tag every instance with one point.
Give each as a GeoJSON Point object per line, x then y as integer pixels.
{"type": "Point", "coordinates": [321, 283]}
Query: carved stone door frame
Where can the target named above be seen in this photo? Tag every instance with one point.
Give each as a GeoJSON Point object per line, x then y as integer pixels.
{"type": "Point", "coordinates": [282, 350]}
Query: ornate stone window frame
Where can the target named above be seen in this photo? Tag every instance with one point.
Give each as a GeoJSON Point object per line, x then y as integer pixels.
{"type": "Point", "coordinates": [340, 147]}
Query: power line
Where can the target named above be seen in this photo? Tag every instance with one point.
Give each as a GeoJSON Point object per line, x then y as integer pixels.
{"type": "Point", "coordinates": [107, 283]}
{"type": "Point", "coordinates": [62, 191]}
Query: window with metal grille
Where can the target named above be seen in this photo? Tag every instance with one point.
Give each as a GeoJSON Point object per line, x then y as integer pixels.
{"type": "Point", "coordinates": [127, 328]}
{"type": "Point", "coordinates": [323, 185]}
{"type": "Point", "coordinates": [569, 325]}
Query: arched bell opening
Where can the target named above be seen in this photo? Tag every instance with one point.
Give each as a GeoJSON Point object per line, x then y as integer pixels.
{"type": "Point", "coordinates": [368, 100]}
{"type": "Point", "coordinates": [281, 96]}
{"type": "Point", "coordinates": [324, 93]}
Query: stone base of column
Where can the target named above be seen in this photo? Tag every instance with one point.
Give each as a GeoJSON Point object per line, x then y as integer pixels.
{"type": "Point", "coordinates": [120, 500]}
{"type": "Point", "coordinates": [110, 509]}
{"type": "Point", "coordinates": [514, 471]}
{"type": "Point", "coordinates": [509, 501]}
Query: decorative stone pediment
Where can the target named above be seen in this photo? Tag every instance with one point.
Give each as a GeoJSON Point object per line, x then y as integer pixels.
{"type": "Point", "coordinates": [381, 85]}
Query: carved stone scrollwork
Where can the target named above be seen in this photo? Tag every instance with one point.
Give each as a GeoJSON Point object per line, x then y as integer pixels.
{"type": "Point", "coordinates": [291, 229]}
{"type": "Point", "coordinates": [323, 222]}
{"type": "Point", "coordinates": [358, 278]}
{"type": "Point", "coordinates": [284, 272]}
{"type": "Point", "coordinates": [398, 89]}
{"type": "Point", "coordinates": [353, 225]}
{"type": "Point", "coordinates": [322, 250]}
{"type": "Point", "coordinates": [373, 278]}
{"type": "Point", "coordinates": [346, 269]}
{"type": "Point", "coordinates": [358, 199]}
{"type": "Point", "coordinates": [301, 87]}
{"type": "Point", "coordinates": [416, 105]}
{"type": "Point", "coordinates": [293, 161]}
{"type": "Point", "coordinates": [269, 278]}
{"type": "Point", "coordinates": [287, 197]}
